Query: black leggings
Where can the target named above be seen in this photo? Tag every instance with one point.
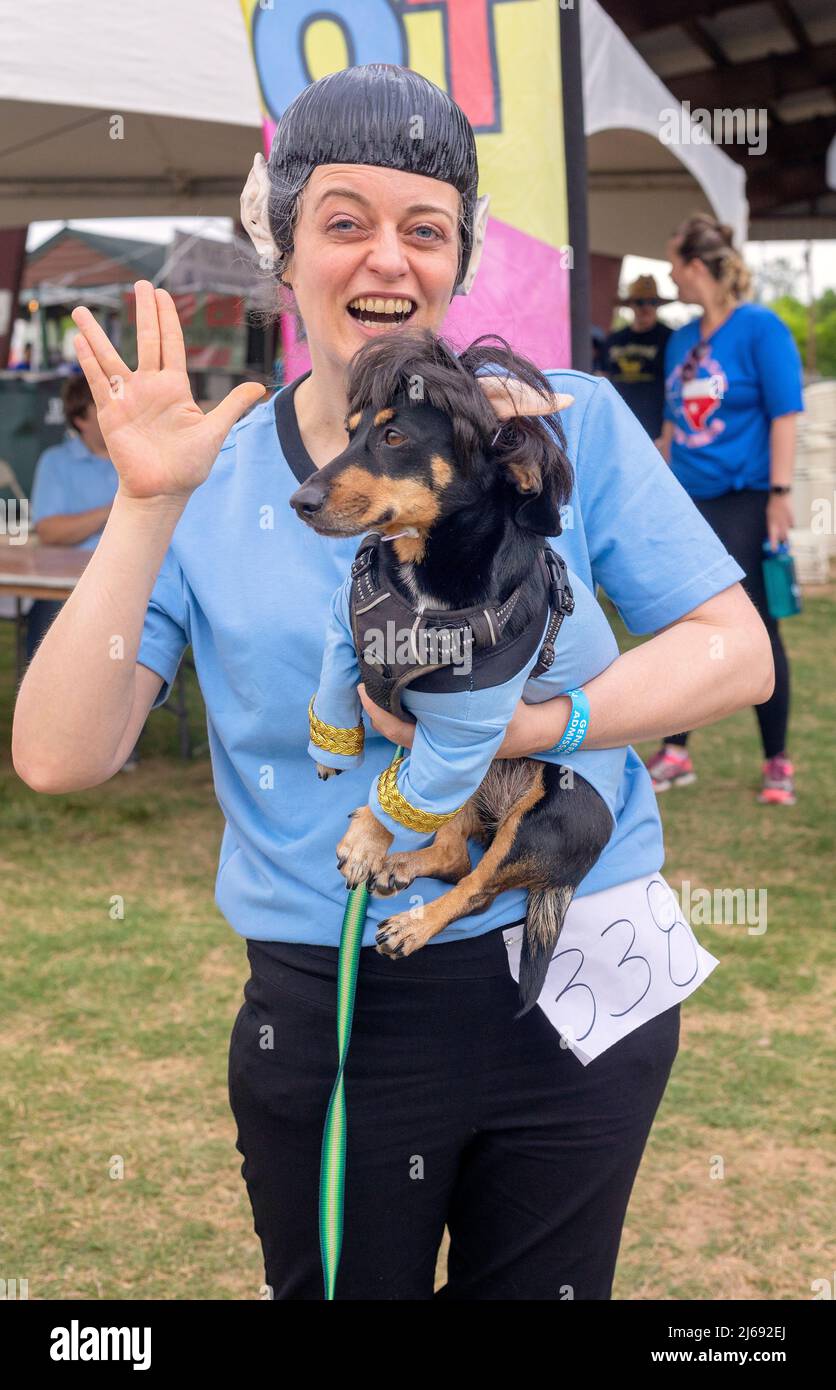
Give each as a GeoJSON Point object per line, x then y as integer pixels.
{"type": "Point", "coordinates": [739, 519]}
{"type": "Point", "coordinates": [457, 1114]}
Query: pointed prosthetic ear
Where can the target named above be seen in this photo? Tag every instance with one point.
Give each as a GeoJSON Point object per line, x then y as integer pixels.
{"type": "Point", "coordinates": [255, 201]}
{"type": "Point", "coordinates": [510, 397]}
{"type": "Point", "coordinates": [480, 223]}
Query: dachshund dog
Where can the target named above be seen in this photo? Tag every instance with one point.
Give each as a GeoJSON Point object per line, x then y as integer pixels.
{"type": "Point", "coordinates": [428, 455]}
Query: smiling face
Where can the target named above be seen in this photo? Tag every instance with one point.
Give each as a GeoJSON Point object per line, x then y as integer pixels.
{"type": "Point", "coordinates": [372, 248]}
{"type": "Point", "coordinates": [397, 471]}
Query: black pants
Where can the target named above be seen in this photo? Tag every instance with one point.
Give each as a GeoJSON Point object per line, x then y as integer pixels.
{"type": "Point", "coordinates": [739, 518]}
{"type": "Point", "coordinates": [457, 1114]}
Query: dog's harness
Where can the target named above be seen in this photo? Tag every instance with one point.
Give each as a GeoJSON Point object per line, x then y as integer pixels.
{"type": "Point", "coordinates": [424, 646]}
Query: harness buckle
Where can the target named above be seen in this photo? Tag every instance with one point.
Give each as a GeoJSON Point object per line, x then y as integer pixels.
{"type": "Point", "coordinates": [362, 562]}
{"type": "Point", "coordinates": [365, 552]}
{"type": "Point", "coordinates": [563, 600]}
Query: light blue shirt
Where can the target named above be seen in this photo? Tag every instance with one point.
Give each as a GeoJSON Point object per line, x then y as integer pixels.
{"type": "Point", "coordinates": [70, 479]}
{"type": "Point", "coordinates": [250, 587]}
{"type": "Point", "coordinates": [459, 732]}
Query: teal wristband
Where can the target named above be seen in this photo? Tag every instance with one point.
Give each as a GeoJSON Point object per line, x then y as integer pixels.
{"type": "Point", "coordinates": [575, 731]}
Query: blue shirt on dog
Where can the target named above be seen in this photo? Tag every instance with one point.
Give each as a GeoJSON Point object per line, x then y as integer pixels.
{"type": "Point", "coordinates": [459, 733]}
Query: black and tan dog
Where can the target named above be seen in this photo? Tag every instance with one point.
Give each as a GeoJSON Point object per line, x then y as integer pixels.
{"type": "Point", "coordinates": [423, 453]}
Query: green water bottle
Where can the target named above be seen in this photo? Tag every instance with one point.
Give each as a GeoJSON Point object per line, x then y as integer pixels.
{"type": "Point", "coordinates": [783, 595]}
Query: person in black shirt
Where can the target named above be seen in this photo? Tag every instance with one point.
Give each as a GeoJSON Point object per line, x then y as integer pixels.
{"type": "Point", "coordinates": [634, 357]}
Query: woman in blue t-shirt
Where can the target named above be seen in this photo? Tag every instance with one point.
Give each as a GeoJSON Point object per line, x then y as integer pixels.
{"type": "Point", "coordinates": [733, 390]}
{"type": "Point", "coordinates": [506, 1131]}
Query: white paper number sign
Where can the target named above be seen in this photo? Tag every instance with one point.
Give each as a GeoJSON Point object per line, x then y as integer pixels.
{"type": "Point", "coordinates": [624, 955]}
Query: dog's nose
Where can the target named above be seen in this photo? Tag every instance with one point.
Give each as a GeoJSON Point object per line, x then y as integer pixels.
{"type": "Point", "coordinates": [308, 499]}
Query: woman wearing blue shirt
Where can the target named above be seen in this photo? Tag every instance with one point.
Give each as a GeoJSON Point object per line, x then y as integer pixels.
{"type": "Point", "coordinates": [733, 390]}
{"type": "Point", "coordinates": [72, 492]}
{"type": "Point", "coordinates": [457, 1114]}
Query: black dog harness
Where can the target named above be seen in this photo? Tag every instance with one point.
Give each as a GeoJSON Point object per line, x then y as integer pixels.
{"type": "Point", "coordinates": [477, 631]}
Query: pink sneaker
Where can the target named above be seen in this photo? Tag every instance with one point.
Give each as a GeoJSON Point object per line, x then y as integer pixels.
{"type": "Point", "coordinates": [671, 767]}
{"type": "Point", "coordinates": [778, 786]}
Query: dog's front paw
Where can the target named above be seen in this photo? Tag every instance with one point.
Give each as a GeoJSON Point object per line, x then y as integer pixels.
{"type": "Point", "coordinates": [395, 875]}
{"type": "Point", "coordinates": [401, 935]}
{"type": "Point", "coordinates": [362, 849]}
{"type": "Point", "coordinates": [323, 772]}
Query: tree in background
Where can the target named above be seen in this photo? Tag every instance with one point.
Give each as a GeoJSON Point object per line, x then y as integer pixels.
{"type": "Point", "coordinates": [796, 316]}
{"type": "Point", "coordinates": [777, 285]}
{"type": "Point", "coordinates": [776, 279]}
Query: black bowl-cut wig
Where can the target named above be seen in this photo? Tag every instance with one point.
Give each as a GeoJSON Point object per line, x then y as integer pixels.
{"type": "Point", "coordinates": [374, 113]}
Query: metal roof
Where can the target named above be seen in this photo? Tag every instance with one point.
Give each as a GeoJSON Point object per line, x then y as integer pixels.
{"type": "Point", "coordinates": [141, 259]}
{"type": "Point", "coordinates": [771, 56]}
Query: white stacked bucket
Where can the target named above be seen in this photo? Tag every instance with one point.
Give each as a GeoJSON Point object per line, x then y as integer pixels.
{"type": "Point", "coordinates": [813, 537]}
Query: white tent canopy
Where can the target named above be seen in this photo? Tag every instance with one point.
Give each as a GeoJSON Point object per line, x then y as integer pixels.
{"type": "Point", "coordinates": [180, 77]}
{"type": "Point", "coordinates": [178, 74]}
{"type": "Point", "coordinates": [639, 187]}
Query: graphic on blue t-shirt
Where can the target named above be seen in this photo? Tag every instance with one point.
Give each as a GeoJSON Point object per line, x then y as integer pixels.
{"type": "Point", "coordinates": [696, 388]}
{"type": "Point", "coordinates": [722, 395]}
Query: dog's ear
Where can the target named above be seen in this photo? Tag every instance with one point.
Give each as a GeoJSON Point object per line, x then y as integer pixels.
{"type": "Point", "coordinates": [535, 464]}
{"type": "Point", "coordinates": [538, 470]}
{"type": "Point", "coordinates": [539, 507]}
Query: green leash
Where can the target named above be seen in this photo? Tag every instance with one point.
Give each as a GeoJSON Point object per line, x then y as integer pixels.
{"type": "Point", "coordinates": [332, 1164]}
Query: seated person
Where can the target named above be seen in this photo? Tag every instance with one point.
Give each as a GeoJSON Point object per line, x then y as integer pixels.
{"type": "Point", "coordinates": [72, 494]}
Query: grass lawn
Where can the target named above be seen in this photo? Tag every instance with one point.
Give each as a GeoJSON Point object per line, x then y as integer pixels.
{"type": "Point", "coordinates": [120, 1176]}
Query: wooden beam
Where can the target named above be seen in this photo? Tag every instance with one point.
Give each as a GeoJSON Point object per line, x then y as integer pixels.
{"type": "Point", "coordinates": [796, 140]}
{"type": "Point", "coordinates": [769, 192]}
{"type": "Point", "coordinates": [799, 32]}
{"type": "Point", "coordinates": [700, 36]}
{"type": "Point", "coordinates": [791, 21]}
{"type": "Point", "coordinates": [758, 82]}
{"type": "Point", "coordinates": [637, 17]}
{"type": "Point", "coordinates": [790, 143]}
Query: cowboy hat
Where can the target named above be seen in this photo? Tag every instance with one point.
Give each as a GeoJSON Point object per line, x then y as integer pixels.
{"type": "Point", "coordinates": [643, 287]}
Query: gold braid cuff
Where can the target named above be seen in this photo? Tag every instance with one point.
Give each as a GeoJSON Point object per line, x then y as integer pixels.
{"type": "Point", "coordinates": [333, 739]}
{"type": "Point", "coordinates": [397, 806]}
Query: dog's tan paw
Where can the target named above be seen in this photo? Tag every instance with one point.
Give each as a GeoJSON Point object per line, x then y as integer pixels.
{"type": "Point", "coordinates": [401, 935]}
{"type": "Point", "coordinates": [323, 772]}
{"type": "Point", "coordinates": [395, 875]}
{"type": "Point", "coordinates": [362, 849]}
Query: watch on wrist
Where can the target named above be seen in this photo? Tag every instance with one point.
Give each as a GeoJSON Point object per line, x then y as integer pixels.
{"type": "Point", "coordinates": [780, 489]}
